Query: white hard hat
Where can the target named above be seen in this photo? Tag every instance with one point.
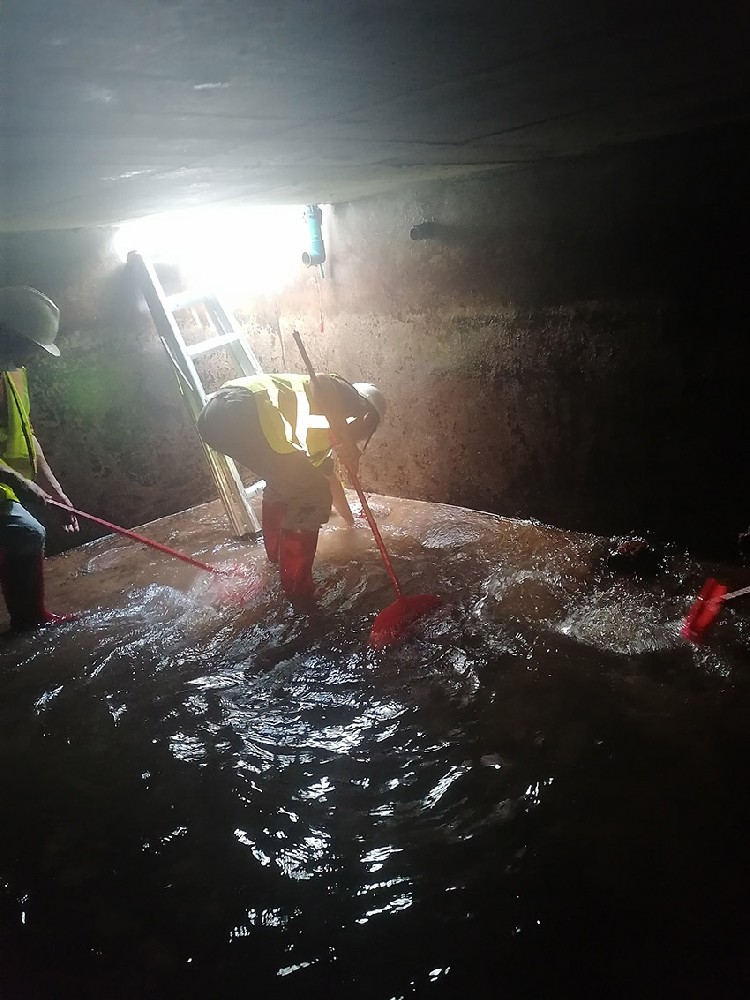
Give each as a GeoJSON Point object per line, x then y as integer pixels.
{"type": "Point", "coordinates": [374, 397]}
{"type": "Point", "coordinates": [29, 313]}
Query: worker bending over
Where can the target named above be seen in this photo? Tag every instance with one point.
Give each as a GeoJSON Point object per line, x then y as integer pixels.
{"type": "Point", "coordinates": [29, 322]}
{"type": "Point", "coordinates": [274, 426]}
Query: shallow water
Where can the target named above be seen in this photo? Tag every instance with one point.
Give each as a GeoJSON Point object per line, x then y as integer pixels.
{"type": "Point", "coordinates": [208, 794]}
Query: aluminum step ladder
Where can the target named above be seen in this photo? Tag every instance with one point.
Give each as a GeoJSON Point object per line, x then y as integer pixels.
{"type": "Point", "coordinates": [233, 494]}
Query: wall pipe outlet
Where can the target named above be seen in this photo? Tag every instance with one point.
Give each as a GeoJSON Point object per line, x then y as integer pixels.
{"type": "Point", "coordinates": [317, 252]}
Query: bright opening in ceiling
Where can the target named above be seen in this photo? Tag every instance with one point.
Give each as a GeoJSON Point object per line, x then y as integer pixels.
{"type": "Point", "coordinates": [239, 252]}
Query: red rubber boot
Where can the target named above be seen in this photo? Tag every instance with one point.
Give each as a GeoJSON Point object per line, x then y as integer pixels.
{"type": "Point", "coordinates": [296, 556]}
{"type": "Point", "coordinates": [272, 514]}
{"type": "Point", "coordinates": [23, 589]}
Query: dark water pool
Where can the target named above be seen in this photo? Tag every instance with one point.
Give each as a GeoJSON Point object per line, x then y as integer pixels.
{"type": "Point", "coordinates": [544, 795]}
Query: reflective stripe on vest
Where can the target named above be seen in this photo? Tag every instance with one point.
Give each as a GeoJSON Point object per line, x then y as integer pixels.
{"type": "Point", "coordinates": [284, 413]}
{"type": "Point", "coordinates": [16, 434]}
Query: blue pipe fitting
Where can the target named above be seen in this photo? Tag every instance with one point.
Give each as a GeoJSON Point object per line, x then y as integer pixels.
{"type": "Point", "coordinates": [317, 253]}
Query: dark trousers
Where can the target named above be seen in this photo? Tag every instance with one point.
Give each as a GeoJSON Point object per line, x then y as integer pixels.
{"type": "Point", "coordinates": [20, 532]}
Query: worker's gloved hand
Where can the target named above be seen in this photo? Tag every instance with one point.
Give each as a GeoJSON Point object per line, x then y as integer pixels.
{"type": "Point", "coordinates": [348, 454]}
{"type": "Point", "coordinates": [68, 519]}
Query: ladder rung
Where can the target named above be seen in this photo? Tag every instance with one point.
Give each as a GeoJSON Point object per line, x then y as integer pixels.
{"type": "Point", "coordinates": [255, 488]}
{"type": "Point", "coordinates": [184, 300]}
{"type": "Point", "coordinates": [196, 350]}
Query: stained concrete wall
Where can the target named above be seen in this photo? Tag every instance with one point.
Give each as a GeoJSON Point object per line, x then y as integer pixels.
{"type": "Point", "coordinates": [571, 345]}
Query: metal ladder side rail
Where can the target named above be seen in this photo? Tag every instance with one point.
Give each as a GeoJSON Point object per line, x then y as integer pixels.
{"type": "Point", "coordinates": [223, 470]}
{"type": "Point", "coordinates": [230, 337]}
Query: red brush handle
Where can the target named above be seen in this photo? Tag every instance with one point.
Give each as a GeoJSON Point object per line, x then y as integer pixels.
{"type": "Point", "coordinates": [373, 525]}
{"type": "Point", "coordinates": [353, 476]}
{"type": "Point", "coordinates": [140, 538]}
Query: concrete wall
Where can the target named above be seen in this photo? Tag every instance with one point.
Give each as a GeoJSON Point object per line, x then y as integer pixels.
{"type": "Point", "coordinates": [571, 345]}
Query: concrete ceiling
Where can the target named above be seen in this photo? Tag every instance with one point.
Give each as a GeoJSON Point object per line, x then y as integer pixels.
{"type": "Point", "coordinates": [113, 109]}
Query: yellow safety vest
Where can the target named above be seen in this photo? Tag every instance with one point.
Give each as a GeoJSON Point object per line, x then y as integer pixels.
{"type": "Point", "coordinates": [285, 417]}
{"type": "Point", "coordinates": [16, 435]}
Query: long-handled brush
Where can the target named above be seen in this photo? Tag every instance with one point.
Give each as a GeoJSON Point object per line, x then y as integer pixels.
{"type": "Point", "coordinates": [706, 608]}
{"type": "Point", "coordinates": [239, 591]}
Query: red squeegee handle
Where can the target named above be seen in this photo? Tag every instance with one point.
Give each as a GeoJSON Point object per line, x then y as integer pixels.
{"type": "Point", "coordinates": [140, 538]}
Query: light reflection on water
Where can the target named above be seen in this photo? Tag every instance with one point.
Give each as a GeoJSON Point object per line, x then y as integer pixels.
{"type": "Point", "coordinates": [196, 788]}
